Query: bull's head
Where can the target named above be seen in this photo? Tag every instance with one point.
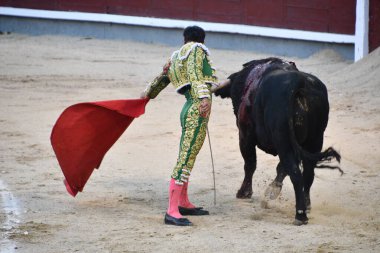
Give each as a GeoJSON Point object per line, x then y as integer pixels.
{"type": "Point", "coordinates": [223, 90]}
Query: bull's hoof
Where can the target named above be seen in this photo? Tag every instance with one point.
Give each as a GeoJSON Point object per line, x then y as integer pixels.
{"type": "Point", "coordinates": [301, 218]}
{"type": "Point", "coordinates": [300, 222]}
{"type": "Point", "coordinates": [273, 190]}
{"type": "Point", "coordinates": [244, 194]}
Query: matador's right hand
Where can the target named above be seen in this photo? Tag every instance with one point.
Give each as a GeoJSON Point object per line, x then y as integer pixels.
{"type": "Point", "coordinates": [205, 107]}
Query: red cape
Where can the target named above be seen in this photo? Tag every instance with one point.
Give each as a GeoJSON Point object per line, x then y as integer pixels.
{"type": "Point", "coordinates": [85, 132]}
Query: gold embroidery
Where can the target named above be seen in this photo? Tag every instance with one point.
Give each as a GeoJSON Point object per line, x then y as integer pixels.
{"type": "Point", "coordinates": [193, 136]}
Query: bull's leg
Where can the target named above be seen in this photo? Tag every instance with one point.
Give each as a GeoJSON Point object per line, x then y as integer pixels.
{"type": "Point", "coordinates": [308, 178]}
{"type": "Point", "coordinates": [315, 145]}
{"type": "Point", "coordinates": [274, 189]}
{"type": "Point", "coordinates": [292, 168]}
{"type": "Point", "coordinates": [248, 151]}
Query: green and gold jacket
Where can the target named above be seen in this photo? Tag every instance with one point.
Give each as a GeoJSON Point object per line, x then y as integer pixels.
{"type": "Point", "coordinates": [190, 67]}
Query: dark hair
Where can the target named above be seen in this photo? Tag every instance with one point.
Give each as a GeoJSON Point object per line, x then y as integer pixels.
{"type": "Point", "coordinates": [194, 33]}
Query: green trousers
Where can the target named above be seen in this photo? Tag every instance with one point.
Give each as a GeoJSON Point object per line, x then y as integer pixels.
{"type": "Point", "coordinates": [193, 135]}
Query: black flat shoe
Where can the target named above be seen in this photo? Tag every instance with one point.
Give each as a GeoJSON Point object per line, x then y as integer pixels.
{"type": "Point", "coordinates": [170, 220]}
{"type": "Point", "coordinates": [192, 211]}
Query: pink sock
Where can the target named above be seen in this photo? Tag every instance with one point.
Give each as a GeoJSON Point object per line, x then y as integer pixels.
{"type": "Point", "coordinates": [184, 200]}
{"type": "Point", "coordinates": [174, 196]}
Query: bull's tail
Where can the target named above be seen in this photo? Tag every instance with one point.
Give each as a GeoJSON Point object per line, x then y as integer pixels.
{"type": "Point", "coordinates": [320, 158]}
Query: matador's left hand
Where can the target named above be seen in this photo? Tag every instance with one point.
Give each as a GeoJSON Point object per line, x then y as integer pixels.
{"type": "Point", "coordinates": [165, 69]}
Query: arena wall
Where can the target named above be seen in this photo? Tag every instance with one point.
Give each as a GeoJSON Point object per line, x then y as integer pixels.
{"type": "Point", "coordinates": [306, 26]}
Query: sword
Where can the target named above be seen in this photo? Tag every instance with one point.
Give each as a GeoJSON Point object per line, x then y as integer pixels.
{"type": "Point", "coordinates": [212, 162]}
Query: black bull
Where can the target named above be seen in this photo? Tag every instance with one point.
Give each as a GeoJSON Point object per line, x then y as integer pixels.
{"type": "Point", "coordinates": [284, 112]}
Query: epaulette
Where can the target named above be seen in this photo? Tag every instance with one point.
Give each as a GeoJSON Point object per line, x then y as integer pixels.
{"type": "Point", "coordinates": [187, 53]}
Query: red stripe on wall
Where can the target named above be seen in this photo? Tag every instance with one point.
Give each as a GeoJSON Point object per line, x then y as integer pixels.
{"type": "Point", "coordinates": [312, 15]}
{"type": "Point", "coordinates": [257, 13]}
{"type": "Point", "coordinates": [31, 4]}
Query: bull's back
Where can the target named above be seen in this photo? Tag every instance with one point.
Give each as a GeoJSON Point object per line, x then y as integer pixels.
{"type": "Point", "coordinates": [273, 96]}
{"type": "Point", "coordinates": [289, 97]}
{"type": "Point", "coordinates": [311, 108]}
{"type": "Point", "coordinates": [271, 109]}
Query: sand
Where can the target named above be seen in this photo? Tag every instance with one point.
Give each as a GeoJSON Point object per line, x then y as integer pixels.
{"type": "Point", "coordinates": [122, 206]}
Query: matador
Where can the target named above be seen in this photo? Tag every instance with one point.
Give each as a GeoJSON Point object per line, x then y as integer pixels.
{"type": "Point", "coordinates": [189, 69]}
